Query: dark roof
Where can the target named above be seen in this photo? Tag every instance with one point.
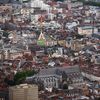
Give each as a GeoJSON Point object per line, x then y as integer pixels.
{"type": "Point", "coordinates": [90, 47]}
{"type": "Point", "coordinates": [9, 1]}
{"type": "Point", "coordinates": [96, 36]}
{"type": "Point", "coordinates": [58, 70]}
{"type": "Point", "coordinates": [4, 1]}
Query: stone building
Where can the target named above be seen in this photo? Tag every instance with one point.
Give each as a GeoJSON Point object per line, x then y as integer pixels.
{"type": "Point", "coordinates": [52, 77]}
{"type": "Point", "coordinates": [23, 92]}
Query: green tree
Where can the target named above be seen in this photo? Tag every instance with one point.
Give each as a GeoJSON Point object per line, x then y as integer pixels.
{"type": "Point", "coordinates": [5, 34]}
{"type": "Point", "coordinates": [20, 77]}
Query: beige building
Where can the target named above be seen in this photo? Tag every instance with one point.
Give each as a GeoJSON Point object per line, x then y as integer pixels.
{"type": "Point", "coordinates": [23, 92]}
{"type": "Point", "coordinates": [13, 54]}
{"type": "Point", "coordinates": [7, 8]}
{"type": "Point", "coordinates": [7, 54]}
{"type": "Point", "coordinates": [77, 45]}
{"type": "Point", "coordinates": [87, 30]}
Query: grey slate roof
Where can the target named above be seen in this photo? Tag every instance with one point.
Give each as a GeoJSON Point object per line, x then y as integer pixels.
{"type": "Point", "coordinates": [4, 1]}
{"type": "Point", "coordinates": [59, 70]}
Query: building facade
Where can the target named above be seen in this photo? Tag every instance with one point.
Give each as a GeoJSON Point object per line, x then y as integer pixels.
{"type": "Point", "coordinates": [23, 92]}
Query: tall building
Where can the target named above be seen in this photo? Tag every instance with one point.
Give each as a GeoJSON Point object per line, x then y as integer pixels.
{"type": "Point", "coordinates": [23, 92]}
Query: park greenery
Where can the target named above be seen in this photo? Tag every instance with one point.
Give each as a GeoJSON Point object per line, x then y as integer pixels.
{"type": "Point", "coordinates": [20, 77]}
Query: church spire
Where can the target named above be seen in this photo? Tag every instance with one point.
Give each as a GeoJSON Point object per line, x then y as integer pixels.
{"type": "Point", "coordinates": [41, 36]}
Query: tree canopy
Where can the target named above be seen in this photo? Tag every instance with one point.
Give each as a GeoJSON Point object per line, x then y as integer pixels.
{"type": "Point", "coordinates": [20, 77]}
{"type": "Point", "coordinates": [5, 34]}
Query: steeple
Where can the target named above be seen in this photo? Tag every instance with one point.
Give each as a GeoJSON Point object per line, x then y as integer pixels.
{"type": "Point", "coordinates": [41, 40]}
{"type": "Point", "coordinates": [41, 36]}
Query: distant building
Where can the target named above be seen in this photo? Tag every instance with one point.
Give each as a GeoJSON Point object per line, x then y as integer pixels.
{"type": "Point", "coordinates": [96, 58]}
{"type": "Point", "coordinates": [6, 8]}
{"type": "Point", "coordinates": [76, 4]}
{"type": "Point", "coordinates": [10, 54]}
{"type": "Point", "coordinates": [87, 30]}
{"type": "Point", "coordinates": [77, 45]}
{"type": "Point", "coordinates": [93, 0]}
{"type": "Point", "coordinates": [2, 56]}
{"type": "Point", "coordinates": [4, 1]}
{"type": "Point", "coordinates": [12, 1]}
{"type": "Point", "coordinates": [45, 40]}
